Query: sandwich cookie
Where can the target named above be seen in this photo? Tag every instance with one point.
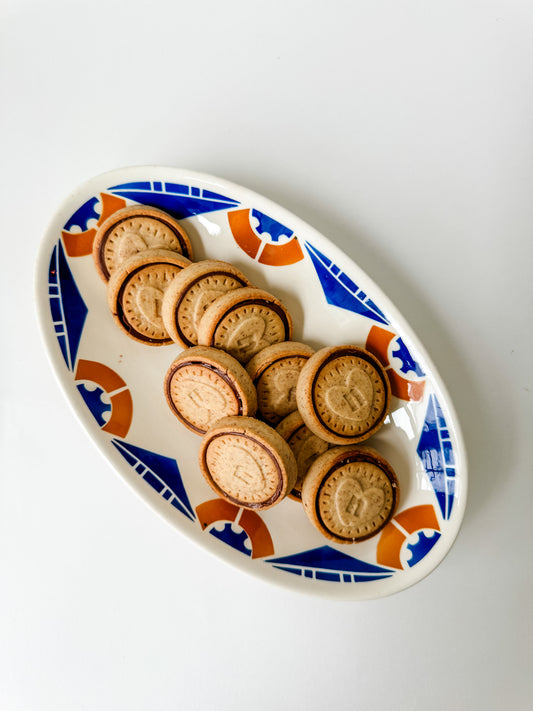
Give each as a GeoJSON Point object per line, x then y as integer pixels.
{"type": "Point", "coordinates": [343, 394]}
{"type": "Point", "coordinates": [247, 463]}
{"type": "Point", "coordinates": [190, 294]}
{"type": "Point", "coordinates": [204, 384]}
{"type": "Point", "coordinates": [135, 294]}
{"type": "Point", "coordinates": [350, 493]}
{"type": "Point", "coordinates": [243, 322]}
{"type": "Point", "coordinates": [305, 445]}
{"type": "Point", "coordinates": [134, 229]}
{"type": "Point", "coordinates": [274, 372]}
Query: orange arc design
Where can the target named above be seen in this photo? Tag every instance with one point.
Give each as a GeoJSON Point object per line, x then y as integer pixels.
{"type": "Point", "coordinates": [121, 414]}
{"type": "Point", "coordinates": [275, 255]}
{"type": "Point", "coordinates": [210, 512]}
{"type": "Point", "coordinates": [121, 402]}
{"type": "Point", "coordinates": [378, 342]}
{"type": "Point", "coordinates": [278, 255]}
{"type": "Point", "coordinates": [100, 374]}
{"type": "Point", "coordinates": [80, 244]}
{"type": "Point", "coordinates": [392, 539]}
{"type": "Point", "coordinates": [248, 241]}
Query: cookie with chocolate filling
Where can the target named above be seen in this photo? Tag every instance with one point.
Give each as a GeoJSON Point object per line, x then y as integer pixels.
{"type": "Point", "coordinates": [190, 294]}
{"type": "Point", "coordinates": [247, 463]}
{"type": "Point", "coordinates": [274, 372]}
{"type": "Point", "coordinates": [343, 394]}
{"type": "Point", "coordinates": [136, 290]}
{"type": "Point", "coordinates": [135, 229]}
{"type": "Point", "coordinates": [350, 493]}
{"type": "Point", "coordinates": [203, 385]}
{"type": "Point", "coordinates": [243, 322]}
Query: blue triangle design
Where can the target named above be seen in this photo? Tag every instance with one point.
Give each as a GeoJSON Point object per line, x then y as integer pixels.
{"type": "Point", "coordinates": [160, 472]}
{"type": "Point", "coordinates": [327, 558]}
{"type": "Point", "coordinates": [67, 307]}
{"type": "Point", "coordinates": [436, 453]}
{"type": "Point", "coordinates": [181, 201]}
{"type": "Point", "coordinates": [340, 290]}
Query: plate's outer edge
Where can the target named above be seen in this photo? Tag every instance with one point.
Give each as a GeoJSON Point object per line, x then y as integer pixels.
{"type": "Point", "coordinates": [294, 583]}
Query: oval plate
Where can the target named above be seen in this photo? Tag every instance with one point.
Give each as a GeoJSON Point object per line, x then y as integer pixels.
{"type": "Point", "coordinates": [114, 384]}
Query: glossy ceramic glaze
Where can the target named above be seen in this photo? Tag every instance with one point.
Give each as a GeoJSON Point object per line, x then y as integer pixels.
{"type": "Point", "coordinates": [115, 385]}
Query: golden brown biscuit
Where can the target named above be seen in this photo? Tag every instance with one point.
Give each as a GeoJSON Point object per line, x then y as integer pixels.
{"type": "Point", "coordinates": [305, 445]}
{"type": "Point", "coordinates": [135, 294]}
{"type": "Point", "coordinates": [205, 384]}
{"type": "Point", "coordinates": [134, 229]}
{"type": "Point", "coordinates": [350, 493]}
{"type": "Point", "coordinates": [343, 394]}
{"type": "Point", "coordinates": [247, 463]}
{"type": "Point", "coordinates": [274, 372]}
{"type": "Point", "coordinates": [191, 292]}
{"type": "Point", "coordinates": [243, 322]}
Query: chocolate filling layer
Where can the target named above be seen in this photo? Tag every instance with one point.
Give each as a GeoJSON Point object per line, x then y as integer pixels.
{"type": "Point", "coordinates": [120, 311]}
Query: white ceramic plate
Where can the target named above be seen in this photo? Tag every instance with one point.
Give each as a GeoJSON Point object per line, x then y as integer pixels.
{"type": "Point", "coordinates": [114, 384]}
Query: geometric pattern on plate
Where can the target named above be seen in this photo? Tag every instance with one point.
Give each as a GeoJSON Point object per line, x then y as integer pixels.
{"type": "Point", "coordinates": [403, 525]}
{"type": "Point", "coordinates": [262, 241]}
{"type": "Point", "coordinates": [436, 453]}
{"type": "Point", "coordinates": [378, 343]}
{"type": "Point", "coordinates": [215, 511]}
{"type": "Point", "coordinates": [179, 200]}
{"type": "Point", "coordinates": [118, 401]}
{"type": "Point", "coordinates": [160, 472]}
{"type": "Point", "coordinates": [326, 563]}
{"type": "Point", "coordinates": [340, 290]}
{"type": "Point", "coordinates": [67, 307]}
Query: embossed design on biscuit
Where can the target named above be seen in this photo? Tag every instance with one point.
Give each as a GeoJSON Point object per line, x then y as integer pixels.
{"type": "Point", "coordinates": [242, 468]}
{"type": "Point", "coordinates": [193, 292]}
{"type": "Point", "coordinates": [133, 230]}
{"type": "Point", "coordinates": [356, 504]}
{"type": "Point", "coordinates": [142, 297]}
{"type": "Point", "coordinates": [349, 395]}
{"type": "Point", "coordinates": [249, 329]}
{"type": "Point", "coordinates": [351, 400]}
{"type": "Point", "coordinates": [355, 500]}
{"type": "Point", "coordinates": [134, 235]}
{"type": "Point", "coordinates": [201, 396]}
{"type": "Point", "coordinates": [205, 297]}
{"type": "Point", "coordinates": [203, 384]}
{"type": "Point", "coordinates": [243, 322]}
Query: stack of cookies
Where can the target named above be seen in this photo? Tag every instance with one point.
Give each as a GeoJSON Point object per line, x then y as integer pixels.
{"type": "Point", "coordinates": [277, 419]}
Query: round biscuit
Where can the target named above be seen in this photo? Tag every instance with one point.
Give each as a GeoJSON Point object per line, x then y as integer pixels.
{"type": "Point", "coordinates": [343, 394]}
{"type": "Point", "coordinates": [350, 493]}
{"type": "Point", "coordinates": [191, 292]}
{"type": "Point", "coordinates": [136, 290]}
{"type": "Point", "coordinates": [134, 229]}
{"type": "Point", "coordinates": [247, 463]}
{"type": "Point", "coordinates": [275, 371]}
{"type": "Point", "coordinates": [203, 385]}
{"type": "Point", "coordinates": [243, 322]}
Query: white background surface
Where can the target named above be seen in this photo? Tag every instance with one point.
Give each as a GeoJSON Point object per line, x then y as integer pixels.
{"type": "Point", "coordinates": [403, 132]}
